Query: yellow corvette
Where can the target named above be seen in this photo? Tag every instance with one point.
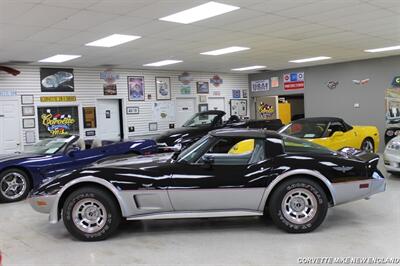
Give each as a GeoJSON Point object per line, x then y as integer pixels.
{"type": "Point", "coordinates": [334, 133]}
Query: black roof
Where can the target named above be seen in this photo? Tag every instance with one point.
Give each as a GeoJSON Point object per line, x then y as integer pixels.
{"type": "Point", "coordinates": [243, 132]}
{"type": "Point", "coordinates": [320, 119]}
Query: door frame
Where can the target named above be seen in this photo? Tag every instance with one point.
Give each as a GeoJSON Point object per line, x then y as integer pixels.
{"type": "Point", "coordinates": [19, 118]}
{"type": "Point", "coordinates": [122, 117]}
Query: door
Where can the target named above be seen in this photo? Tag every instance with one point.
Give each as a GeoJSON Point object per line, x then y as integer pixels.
{"type": "Point", "coordinates": [109, 119]}
{"type": "Point", "coordinates": [185, 108]}
{"type": "Point", "coordinates": [225, 175]}
{"type": "Point", "coordinates": [9, 126]}
{"type": "Point", "coordinates": [339, 137]}
{"type": "Point", "coordinates": [216, 103]}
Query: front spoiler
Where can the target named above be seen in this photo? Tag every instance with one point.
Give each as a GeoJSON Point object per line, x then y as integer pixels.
{"type": "Point", "coordinates": [45, 204]}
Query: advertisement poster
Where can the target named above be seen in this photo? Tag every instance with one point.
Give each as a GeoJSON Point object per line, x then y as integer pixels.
{"type": "Point", "coordinates": [56, 79]}
{"type": "Point", "coordinates": [239, 108]}
{"type": "Point", "coordinates": [58, 121]}
{"type": "Point", "coordinates": [260, 85]}
{"type": "Point", "coordinates": [136, 88]}
{"type": "Point", "coordinates": [110, 86]}
{"type": "Point", "coordinates": [163, 88]}
{"type": "Point", "coordinates": [163, 111]}
{"type": "Point", "coordinates": [293, 81]}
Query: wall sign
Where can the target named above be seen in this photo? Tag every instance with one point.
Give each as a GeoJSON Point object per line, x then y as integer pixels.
{"type": "Point", "coordinates": [216, 80]}
{"type": "Point", "coordinates": [90, 133]}
{"type": "Point", "coordinates": [8, 93]}
{"type": "Point", "coordinates": [185, 78]}
{"type": "Point", "coordinates": [396, 82]}
{"type": "Point", "coordinates": [332, 84]}
{"type": "Point", "coordinates": [293, 81]}
{"type": "Point", "coordinates": [235, 94]}
{"type": "Point", "coordinates": [186, 89]}
{"type": "Point", "coordinates": [56, 79]}
{"type": "Point", "coordinates": [110, 86]}
{"type": "Point", "coordinates": [260, 85]}
{"type": "Point", "coordinates": [58, 98]}
{"type": "Point", "coordinates": [265, 110]}
{"type": "Point", "coordinates": [58, 121]}
{"type": "Point", "coordinates": [163, 111]}
{"type": "Point", "coordinates": [132, 110]}
{"type": "Point", "coordinates": [274, 82]}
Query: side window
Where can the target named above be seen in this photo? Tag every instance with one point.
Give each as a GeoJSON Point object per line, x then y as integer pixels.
{"type": "Point", "coordinates": [236, 151]}
{"type": "Point", "coordinates": [335, 126]}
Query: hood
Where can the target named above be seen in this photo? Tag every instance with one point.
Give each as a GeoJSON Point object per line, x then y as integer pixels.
{"type": "Point", "coordinates": [170, 137]}
{"type": "Point", "coordinates": [134, 162]}
{"type": "Point", "coordinates": [16, 156]}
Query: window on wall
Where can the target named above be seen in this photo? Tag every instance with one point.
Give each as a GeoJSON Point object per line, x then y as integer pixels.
{"type": "Point", "coordinates": [58, 121]}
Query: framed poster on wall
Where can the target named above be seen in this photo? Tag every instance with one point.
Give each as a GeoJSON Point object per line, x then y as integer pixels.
{"type": "Point", "coordinates": [163, 88]}
{"type": "Point", "coordinates": [239, 107]}
{"type": "Point", "coordinates": [58, 121]}
{"type": "Point", "coordinates": [89, 117]}
{"type": "Point", "coordinates": [56, 79]}
{"type": "Point", "coordinates": [136, 88]}
{"type": "Point", "coordinates": [202, 87]}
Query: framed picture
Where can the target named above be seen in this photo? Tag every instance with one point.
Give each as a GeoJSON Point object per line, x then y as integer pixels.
{"type": "Point", "coordinates": [89, 117]}
{"type": "Point", "coordinates": [90, 133]}
{"type": "Point", "coordinates": [28, 110]}
{"type": "Point", "coordinates": [30, 137]}
{"type": "Point", "coordinates": [136, 88]}
{"type": "Point", "coordinates": [244, 93]}
{"type": "Point", "coordinates": [56, 79]}
{"type": "Point", "coordinates": [203, 98]}
{"type": "Point", "coordinates": [163, 88]}
{"type": "Point", "coordinates": [110, 89]}
{"type": "Point", "coordinates": [203, 107]}
{"type": "Point", "coordinates": [235, 94]}
{"type": "Point", "coordinates": [132, 110]}
{"type": "Point", "coordinates": [58, 121]}
{"type": "Point", "coordinates": [26, 99]}
{"type": "Point", "coordinates": [153, 126]}
{"type": "Point", "coordinates": [239, 107]}
{"type": "Point", "coordinates": [202, 87]}
{"type": "Point", "coordinates": [28, 123]}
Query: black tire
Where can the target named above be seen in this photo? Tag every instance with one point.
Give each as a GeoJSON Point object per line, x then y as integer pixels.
{"type": "Point", "coordinates": [279, 213]}
{"type": "Point", "coordinates": [368, 145]}
{"type": "Point", "coordinates": [110, 210]}
{"type": "Point", "coordinates": [20, 187]}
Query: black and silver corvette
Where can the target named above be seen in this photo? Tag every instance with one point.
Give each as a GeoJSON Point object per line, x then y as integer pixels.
{"type": "Point", "coordinates": [226, 173]}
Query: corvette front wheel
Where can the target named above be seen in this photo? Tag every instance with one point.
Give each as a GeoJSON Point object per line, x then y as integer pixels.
{"type": "Point", "coordinates": [298, 205]}
{"type": "Point", "coordinates": [368, 145]}
{"type": "Point", "coordinates": [14, 185]}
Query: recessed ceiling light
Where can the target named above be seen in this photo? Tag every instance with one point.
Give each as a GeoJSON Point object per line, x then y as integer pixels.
{"type": "Point", "coordinates": [163, 63]}
{"type": "Point", "coordinates": [311, 59]}
{"type": "Point", "coordinates": [204, 11]}
{"type": "Point", "coordinates": [226, 50]}
{"type": "Point", "coordinates": [60, 58]}
{"type": "Point", "coordinates": [383, 49]}
{"type": "Point", "coordinates": [248, 68]}
{"type": "Point", "coordinates": [113, 40]}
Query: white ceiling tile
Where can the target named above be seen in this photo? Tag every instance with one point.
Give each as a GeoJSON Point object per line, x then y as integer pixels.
{"type": "Point", "coordinates": [50, 35]}
{"type": "Point", "coordinates": [83, 20]}
{"type": "Point", "coordinates": [10, 10]}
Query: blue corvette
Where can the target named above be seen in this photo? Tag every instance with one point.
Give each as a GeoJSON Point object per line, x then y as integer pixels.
{"type": "Point", "coordinates": [20, 172]}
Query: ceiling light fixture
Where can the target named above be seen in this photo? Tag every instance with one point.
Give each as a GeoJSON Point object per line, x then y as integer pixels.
{"type": "Point", "coordinates": [163, 63]}
{"type": "Point", "coordinates": [226, 50]}
{"type": "Point", "coordinates": [59, 58]}
{"type": "Point", "coordinates": [204, 11]}
{"type": "Point", "coordinates": [311, 59]}
{"type": "Point", "coordinates": [383, 49]}
{"type": "Point", "coordinates": [113, 40]}
{"type": "Point", "coordinates": [248, 68]}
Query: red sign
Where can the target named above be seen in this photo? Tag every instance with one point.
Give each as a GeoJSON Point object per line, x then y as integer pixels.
{"type": "Point", "coordinates": [293, 81]}
{"type": "Point", "coordinates": [295, 85]}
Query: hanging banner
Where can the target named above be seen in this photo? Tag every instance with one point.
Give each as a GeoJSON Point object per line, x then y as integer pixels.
{"type": "Point", "coordinates": [293, 81]}
{"type": "Point", "coordinates": [260, 85]}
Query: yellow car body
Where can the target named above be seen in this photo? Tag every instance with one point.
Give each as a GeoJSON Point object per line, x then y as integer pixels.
{"type": "Point", "coordinates": [334, 133]}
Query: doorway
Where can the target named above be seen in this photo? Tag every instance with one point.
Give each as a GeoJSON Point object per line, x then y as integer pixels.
{"type": "Point", "coordinates": [9, 126]}
{"type": "Point", "coordinates": [185, 108]}
{"type": "Point", "coordinates": [296, 105]}
{"type": "Point", "coordinates": [109, 119]}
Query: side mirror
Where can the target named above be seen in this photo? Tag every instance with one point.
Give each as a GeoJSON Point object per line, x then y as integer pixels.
{"type": "Point", "coordinates": [207, 160]}
{"type": "Point", "coordinates": [71, 152]}
{"type": "Point", "coordinates": [338, 134]}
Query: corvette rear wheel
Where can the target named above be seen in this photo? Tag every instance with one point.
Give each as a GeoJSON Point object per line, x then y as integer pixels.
{"type": "Point", "coordinates": [14, 185]}
{"type": "Point", "coordinates": [298, 205]}
{"type": "Point", "coordinates": [91, 214]}
{"type": "Point", "coordinates": [368, 145]}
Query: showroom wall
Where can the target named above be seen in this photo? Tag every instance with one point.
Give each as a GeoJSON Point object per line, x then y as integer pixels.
{"type": "Point", "coordinates": [89, 89]}
{"type": "Point", "coordinates": [319, 100]}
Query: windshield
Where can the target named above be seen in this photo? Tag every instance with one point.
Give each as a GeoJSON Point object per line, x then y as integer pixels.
{"type": "Point", "coordinates": [303, 146]}
{"type": "Point", "coordinates": [200, 120]}
{"type": "Point", "coordinates": [47, 146]}
{"type": "Point", "coordinates": [305, 129]}
{"type": "Point", "coordinates": [189, 155]}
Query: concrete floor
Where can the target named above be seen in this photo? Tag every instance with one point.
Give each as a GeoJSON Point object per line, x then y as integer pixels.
{"type": "Point", "coordinates": [360, 229]}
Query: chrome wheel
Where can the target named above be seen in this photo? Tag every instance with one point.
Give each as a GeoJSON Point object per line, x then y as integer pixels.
{"type": "Point", "coordinates": [13, 185]}
{"type": "Point", "coordinates": [368, 146]}
{"type": "Point", "coordinates": [89, 215]}
{"type": "Point", "coordinates": [299, 206]}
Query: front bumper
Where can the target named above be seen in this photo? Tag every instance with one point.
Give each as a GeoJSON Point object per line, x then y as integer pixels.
{"type": "Point", "coordinates": [392, 160]}
{"type": "Point", "coordinates": [43, 204]}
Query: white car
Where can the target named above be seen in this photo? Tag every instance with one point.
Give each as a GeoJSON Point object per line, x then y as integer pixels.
{"type": "Point", "coordinates": [391, 156]}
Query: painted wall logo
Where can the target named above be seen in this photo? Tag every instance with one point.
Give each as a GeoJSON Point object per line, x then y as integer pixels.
{"type": "Point", "coordinates": [332, 84]}
{"type": "Point", "coordinates": [266, 110]}
{"type": "Point", "coordinates": [360, 81]}
{"type": "Point", "coordinates": [216, 80]}
{"type": "Point", "coordinates": [293, 81]}
{"type": "Point", "coordinates": [185, 78]}
{"type": "Point", "coordinates": [396, 82]}
{"type": "Point", "coordinates": [57, 124]}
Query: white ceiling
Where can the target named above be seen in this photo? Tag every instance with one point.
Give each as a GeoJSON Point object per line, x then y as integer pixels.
{"type": "Point", "coordinates": [276, 31]}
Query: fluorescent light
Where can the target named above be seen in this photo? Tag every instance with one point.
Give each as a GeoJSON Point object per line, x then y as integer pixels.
{"type": "Point", "coordinates": [113, 40]}
{"type": "Point", "coordinates": [383, 49]}
{"type": "Point", "coordinates": [311, 59]}
{"type": "Point", "coordinates": [204, 11]}
{"type": "Point", "coordinates": [226, 50]}
{"type": "Point", "coordinates": [248, 68]}
{"type": "Point", "coordinates": [59, 58]}
{"type": "Point", "coordinates": [163, 63]}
